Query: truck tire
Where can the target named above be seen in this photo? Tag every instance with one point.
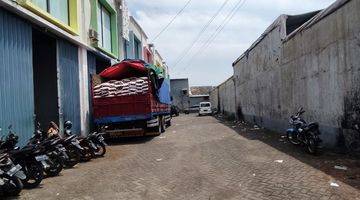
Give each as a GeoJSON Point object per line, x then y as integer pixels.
{"type": "Point", "coordinates": [168, 123]}
{"type": "Point", "coordinates": [162, 124]}
{"type": "Point", "coordinates": [157, 129]}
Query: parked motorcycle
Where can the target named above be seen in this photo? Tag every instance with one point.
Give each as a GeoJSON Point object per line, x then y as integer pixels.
{"type": "Point", "coordinates": [63, 150]}
{"type": "Point", "coordinates": [82, 143]}
{"type": "Point", "coordinates": [10, 177]}
{"type": "Point", "coordinates": [54, 162]}
{"type": "Point", "coordinates": [97, 143]}
{"type": "Point", "coordinates": [29, 158]}
{"type": "Point", "coordinates": [73, 148]}
{"type": "Point", "coordinates": [302, 133]}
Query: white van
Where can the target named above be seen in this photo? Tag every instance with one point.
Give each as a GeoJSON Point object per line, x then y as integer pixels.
{"type": "Point", "coordinates": [205, 108]}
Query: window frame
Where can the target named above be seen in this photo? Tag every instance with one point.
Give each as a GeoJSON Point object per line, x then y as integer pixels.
{"type": "Point", "coordinates": [137, 46]}
{"type": "Point", "coordinates": [113, 26]}
{"type": "Point", "coordinates": [71, 27]}
{"type": "Point", "coordinates": [101, 28]}
{"type": "Point", "coordinates": [125, 46]}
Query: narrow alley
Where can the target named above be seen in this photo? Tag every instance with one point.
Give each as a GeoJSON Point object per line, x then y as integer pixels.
{"type": "Point", "coordinates": [197, 158]}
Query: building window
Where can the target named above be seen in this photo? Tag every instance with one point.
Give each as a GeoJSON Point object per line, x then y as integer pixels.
{"type": "Point", "coordinates": [57, 8]}
{"type": "Point", "coordinates": [137, 48]}
{"type": "Point", "coordinates": [126, 44]}
{"type": "Point", "coordinates": [104, 21]}
{"type": "Point", "coordinates": [62, 13]}
{"type": "Point", "coordinates": [104, 27]}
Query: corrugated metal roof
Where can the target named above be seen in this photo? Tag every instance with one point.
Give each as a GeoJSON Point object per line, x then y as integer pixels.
{"type": "Point", "coordinates": [16, 76]}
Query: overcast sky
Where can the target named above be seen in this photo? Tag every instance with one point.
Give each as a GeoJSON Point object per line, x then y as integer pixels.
{"type": "Point", "coordinates": [212, 65]}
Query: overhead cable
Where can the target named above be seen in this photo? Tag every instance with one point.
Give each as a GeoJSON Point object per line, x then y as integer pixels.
{"type": "Point", "coordinates": [171, 21]}
{"type": "Point", "coordinates": [218, 30]}
{"type": "Point", "coordinates": [188, 49]}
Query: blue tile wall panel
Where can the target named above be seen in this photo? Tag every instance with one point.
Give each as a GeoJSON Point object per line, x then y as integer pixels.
{"type": "Point", "coordinates": [16, 76]}
{"type": "Point", "coordinates": [68, 65]}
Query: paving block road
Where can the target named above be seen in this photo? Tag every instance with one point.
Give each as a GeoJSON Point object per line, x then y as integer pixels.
{"type": "Point", "coordinates": [197, 158]}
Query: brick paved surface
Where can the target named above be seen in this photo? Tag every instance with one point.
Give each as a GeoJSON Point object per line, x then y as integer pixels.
{"type": "Point", "coordinates": [198, 158]}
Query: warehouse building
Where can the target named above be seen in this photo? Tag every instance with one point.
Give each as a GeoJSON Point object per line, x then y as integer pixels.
{"type": "Point", "coordinates": [48, 51]}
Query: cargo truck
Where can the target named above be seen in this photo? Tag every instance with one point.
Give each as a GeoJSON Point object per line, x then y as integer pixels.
{"type": "Point", "coordinates": [131, 99]}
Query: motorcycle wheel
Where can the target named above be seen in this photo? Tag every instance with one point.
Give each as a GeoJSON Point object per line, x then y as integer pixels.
{"type": "Point", "coordinates": [34, 175]}
{"type": "Point", "coordinates": [14, 186]}
{"type": "Point", "coordinates": [87, 154]}
{"type": "Point", "coordinates": [74, 157]}
{"type": "Point", "coordinates": [311, 145]}
{"type": "Point", "coordinates": [293, 140]}
{"type": "Point", "coordinates": [55, 167]}
{"type": "Point", "coordinates": [100, 150]}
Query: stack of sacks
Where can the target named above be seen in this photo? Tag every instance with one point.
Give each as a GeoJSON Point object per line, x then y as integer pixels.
{"type": "Point", "coordinates": [125, 87]}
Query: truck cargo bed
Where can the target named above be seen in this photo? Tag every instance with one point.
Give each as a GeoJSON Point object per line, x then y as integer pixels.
{"type": "Point", "coordinates": [127, 108]}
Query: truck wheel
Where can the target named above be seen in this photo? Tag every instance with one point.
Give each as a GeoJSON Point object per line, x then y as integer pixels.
{"type": "Point", "coordinates": [156, 131]}
{"type": "Point", "coordinates": [161, 124]}
{"type": "Point", "coordinates": [168, 124]}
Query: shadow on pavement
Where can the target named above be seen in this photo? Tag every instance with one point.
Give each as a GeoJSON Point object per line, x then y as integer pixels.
{"type": "Point", "coordinates": [129, 140]}
{"type": "Point", "coordinates": [324, 161]}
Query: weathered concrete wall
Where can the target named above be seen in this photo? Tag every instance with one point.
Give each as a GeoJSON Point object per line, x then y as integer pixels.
{"type": "Point", "coordinates": [318, 69]}
{"type": "Point", "coordinates": [214, 99]}
{"type": "Point", "coordinates": [223, 98]}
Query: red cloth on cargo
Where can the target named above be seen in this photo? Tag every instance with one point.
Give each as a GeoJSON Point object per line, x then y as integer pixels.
{"type": "Point", "coordinates": [125, 69]}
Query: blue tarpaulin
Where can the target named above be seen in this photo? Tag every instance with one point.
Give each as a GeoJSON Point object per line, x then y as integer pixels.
{"type": "Point", "coordinates": [164, 92]}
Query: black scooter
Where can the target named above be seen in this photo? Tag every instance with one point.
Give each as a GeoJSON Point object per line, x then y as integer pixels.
{"type": "Point", "coordinates": [29, 158]}
{"type": "Point", "coordinates": [66, 149]}
{"type": "Point", "coordinates": [97, 143]}
{"type": "Point", "coordinates": [10, 177]}
{"type": "Point", "coordinates": [82, 143]}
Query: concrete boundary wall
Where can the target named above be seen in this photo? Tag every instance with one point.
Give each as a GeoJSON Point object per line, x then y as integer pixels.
{"type": "Point", "coordinates": [214, 99]}
{"type": "Point", "coordinates": [223, 98]}
{"type": "Point", "coordinates": [318, 68]}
